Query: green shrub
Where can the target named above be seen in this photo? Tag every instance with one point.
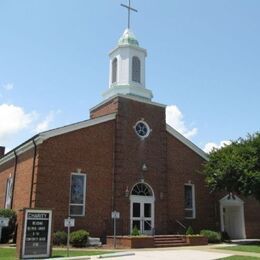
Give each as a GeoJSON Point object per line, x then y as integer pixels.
{"type": "Point", "coordinates": [60, 238]}
{"type": "Point", "coordinates": [189, 231]}
{"type": "Point", "coordinates": [213, 237]}
{"type": "Point", "coordinates": [79, 238]}
{"type": "Point", "coordinates": [8, 232]}
{"type": "Point", "coordinates": [135, 231]}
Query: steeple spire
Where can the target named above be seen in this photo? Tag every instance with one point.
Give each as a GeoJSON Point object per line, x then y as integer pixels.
{"type": "Point", "coordinates": [127, 66]}
{"type": "Point", "coordinates": [129, 12]}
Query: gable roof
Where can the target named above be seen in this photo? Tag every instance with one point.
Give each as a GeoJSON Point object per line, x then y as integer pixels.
{"type": "Point", "coordinates": [41, 137]}
{"type": "Point", "coordinates": [186, 142]}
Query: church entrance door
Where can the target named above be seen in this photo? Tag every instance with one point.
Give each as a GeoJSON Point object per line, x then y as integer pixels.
{"type": "Point", "coordinates": [232, 217]}
{"type": "Point", "coordinates": [142, 209]}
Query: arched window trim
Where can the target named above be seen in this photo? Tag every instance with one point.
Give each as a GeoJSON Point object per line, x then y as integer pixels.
{"type": "Point", "coordinates": [114, 70]}
{"type": "Point", "coordinates": [136, 69]}
{"type": "Point", "coordinates": [142, 189]}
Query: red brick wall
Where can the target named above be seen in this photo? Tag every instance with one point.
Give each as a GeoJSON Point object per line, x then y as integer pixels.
{"type": "Point", "coordinates": [252, 218]}
{"type": "Point", "coordinates": [108, 108]}
{"type": "Point", "coordinates": [184, 165]}
{"type": "Point", "coordinates": [91, 150]}
{"type": "Point", "coordinates": [23, 180]}
{"type": "Point", "coordinates": [132, 152]}
{"type": "Point", "coordinates": [5, 171]}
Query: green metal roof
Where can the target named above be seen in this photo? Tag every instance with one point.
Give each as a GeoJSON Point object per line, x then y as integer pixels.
{"type": "Point", "coordinates": [128, 38]}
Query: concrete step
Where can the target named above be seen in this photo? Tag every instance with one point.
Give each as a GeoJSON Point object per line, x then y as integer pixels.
{"type": "Point", "coordinates": [171, 245]}
{"type": "Point", "coordinates": [169, 241]}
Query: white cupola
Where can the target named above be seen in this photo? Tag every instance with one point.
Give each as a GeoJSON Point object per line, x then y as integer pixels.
{"type": "Point", "coordinates": [127, 68]}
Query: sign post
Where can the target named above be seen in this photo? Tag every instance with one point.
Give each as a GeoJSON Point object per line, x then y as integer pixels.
{"type": "Point", "coordinates": [3, 223]}
{"type": "Point", "coordinates": [37, 234]}
{"type": "Point", "coordinates": [69, 222]}
{"type": "Point", "coordinates": [115, 215]}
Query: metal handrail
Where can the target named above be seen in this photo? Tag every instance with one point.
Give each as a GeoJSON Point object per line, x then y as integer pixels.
{"type": "Point", "coordinates": [181, 224]}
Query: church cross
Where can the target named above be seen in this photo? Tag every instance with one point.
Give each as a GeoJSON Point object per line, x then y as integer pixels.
{"type": "Point", "coordinates": [129, 11]}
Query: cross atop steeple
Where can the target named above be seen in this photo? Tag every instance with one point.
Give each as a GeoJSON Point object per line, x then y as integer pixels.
{"type": "Point", "coordinates": [129, 12]}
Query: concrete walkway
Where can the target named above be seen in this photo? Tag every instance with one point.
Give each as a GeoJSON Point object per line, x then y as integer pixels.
{"type": "Point", "coordinates": [185, 254]}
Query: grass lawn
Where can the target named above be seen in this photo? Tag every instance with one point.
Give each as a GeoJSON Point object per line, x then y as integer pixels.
{"type": "Point", "coordinates": [243, 248]}
{"type": "Point", "coordinates": [10, 253]}
{"type": "Point", "coordinates": [236, 257]}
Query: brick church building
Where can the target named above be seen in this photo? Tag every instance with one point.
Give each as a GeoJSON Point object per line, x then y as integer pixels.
{"type": "Point", "coordinates": [124, 158]}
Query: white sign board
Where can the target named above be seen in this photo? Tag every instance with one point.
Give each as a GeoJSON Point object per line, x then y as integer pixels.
{"type": "Point", "coordinates": [115, 215]}
{"type": "Point", "coordinates": [69, 222]}
{"type": "Point", "coordinates": [4, 222]}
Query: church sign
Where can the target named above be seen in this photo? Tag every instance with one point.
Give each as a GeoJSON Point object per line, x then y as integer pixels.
{"type": "Point", "coordinates": [37, 234]}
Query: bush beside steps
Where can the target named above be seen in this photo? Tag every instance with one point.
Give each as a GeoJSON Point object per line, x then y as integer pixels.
{"type": "Point", "coordinates": [213, 237]}
{"type": "Point", "coordinates": [79, 238]}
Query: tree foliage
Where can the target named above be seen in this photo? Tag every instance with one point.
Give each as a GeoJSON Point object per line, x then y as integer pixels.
{"type": "Point", "coordinates": [236, 167]}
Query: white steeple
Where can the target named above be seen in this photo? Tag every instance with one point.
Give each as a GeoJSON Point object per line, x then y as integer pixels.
{"type": "Point", "coordinates": [127, 68]}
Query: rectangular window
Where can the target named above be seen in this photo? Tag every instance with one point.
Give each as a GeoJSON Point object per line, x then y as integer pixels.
{"type": "Point", "coordinates": [189, 201]}
{"type": "Point", "coordinates": [8, 192]}
{"type": "Point", "coordinates": [77, 194]}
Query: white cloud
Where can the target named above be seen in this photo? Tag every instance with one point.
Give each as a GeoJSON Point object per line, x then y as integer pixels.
{"type": "Point", "coordinates": [8, 86]}
{"type": "Point", "coordinates": [210, 146]}
{"type": "Point", "coordinates": [174, 118]}
{"type": "Point", "coordinates": [45, 123]}
{"type": "Point", "coordinates": [12, 120]}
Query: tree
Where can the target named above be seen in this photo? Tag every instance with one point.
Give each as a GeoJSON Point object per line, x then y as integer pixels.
{"type": "Point", "coordinates": [236, 167]}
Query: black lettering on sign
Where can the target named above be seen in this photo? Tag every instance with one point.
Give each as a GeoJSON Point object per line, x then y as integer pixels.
{"type": "Point", "coordinates": [36, 234]}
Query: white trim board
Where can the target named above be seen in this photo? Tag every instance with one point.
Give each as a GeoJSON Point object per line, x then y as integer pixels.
{"type": "Point", "coordinates": [40, 138]}
{"type": "Point", "coordinates": [187, 142]}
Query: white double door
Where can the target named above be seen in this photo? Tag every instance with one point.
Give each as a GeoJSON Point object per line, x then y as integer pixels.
{"type": "Point", "coordinates": [142, 214]}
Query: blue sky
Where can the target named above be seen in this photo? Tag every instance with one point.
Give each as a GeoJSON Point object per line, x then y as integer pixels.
{"type": "Point", "coordinates": [203, 61]}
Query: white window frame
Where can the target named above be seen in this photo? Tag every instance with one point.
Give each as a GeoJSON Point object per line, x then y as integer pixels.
{"type": "Point", "coordinates": [8, 199]}
{"type": "Point", "coordinates": [84, 195]}
{"type": "Point", "coordinates": [193, 209]}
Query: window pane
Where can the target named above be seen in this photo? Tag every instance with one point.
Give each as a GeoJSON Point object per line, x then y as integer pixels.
{"type": "Point", "coordinates": [76, 210]}
{"type": "Point", "coordinates": [188, 197]}
{"type": "Point", "coordinates": [147, 225]}
{"type": "Point", "coordinates": [9, 192]}
{"type": "Point", "coordinates": [77, 189]}
{"type": "Point", "coordinates": [114, 71]}
{"type": "Point", "coordinates": [136, 210]}
{"type": "Point", "coordinates": [147, 210]}
{"type": "Point", "coordinates": [136, 69]}
{"type": "Point", "coordinates": [188, 213]}
{"type": "Point", "coordinates": [136, 223]}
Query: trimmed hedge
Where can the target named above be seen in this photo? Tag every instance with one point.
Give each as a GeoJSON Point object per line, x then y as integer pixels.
{"type": "Point", "coordinates": [79, 238]}
{"type": "Point", "coordinates": [8, 232]}
{"type": "Point", "coordinates": [60, 238]}
{"type": "Point", "coordinates": [213, 237]}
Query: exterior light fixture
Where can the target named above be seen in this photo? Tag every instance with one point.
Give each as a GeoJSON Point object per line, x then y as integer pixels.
{"type": "Point", "coordinates": [144, 168]}
{"type": "Point", "coordinates": [127, 192]}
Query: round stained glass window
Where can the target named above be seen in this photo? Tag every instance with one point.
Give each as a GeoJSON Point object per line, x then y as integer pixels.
{"type": "Point", "coordinates": [142, 129]}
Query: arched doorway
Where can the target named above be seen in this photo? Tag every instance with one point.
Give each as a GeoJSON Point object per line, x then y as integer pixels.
{"type": "Point", "coordinates": [142, 208]}
{"type": "Point", "coordinates": [232, 216]}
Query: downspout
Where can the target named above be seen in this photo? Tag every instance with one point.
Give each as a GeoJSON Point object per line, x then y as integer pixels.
{"type": "Point", "coordinates": [113, 173]}
{"type": "Point", "coordinates": [33, 171]}
{"type": "Point", "coordinates": [15, 169]}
